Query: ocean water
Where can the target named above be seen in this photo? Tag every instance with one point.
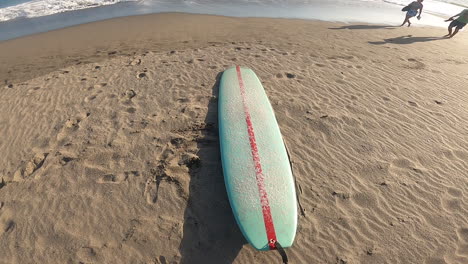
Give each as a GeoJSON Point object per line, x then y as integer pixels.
{"type": "Point", "coordinates": [23, 17]}
{"type": "Point", "coordinates": [13, 9]}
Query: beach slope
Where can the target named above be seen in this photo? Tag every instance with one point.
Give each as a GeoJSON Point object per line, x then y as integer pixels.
{"type": "Point", "coordinates": [110, 154]}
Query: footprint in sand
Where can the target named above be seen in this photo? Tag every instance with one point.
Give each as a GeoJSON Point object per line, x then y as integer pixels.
{"type": "Point", "coordinates": [111, 178]}
{"type": "Point", "coordinates": [168, 84]}
{"type": "Point", "coordinates": [403, 163]}
{"type": "Point", "coordinates": [103, 177]}
{"type": "Point", "coordinates": [7, 226]}
{"type": "Point", "coordinates": [99, 85]}
{"type": "Point", "coordinates": [134, 223]}
{"type": "Point", "coordinates": [454, 192]}
{"type": "Point", "coordinates": [166, 171]}
{"type": "Point", "coordinates": [129, 94]}
{"type": "Point", "coordinates": [30, 167]}
{"type": "Point", "coordinates": [131, 110]}
{"type": "Point", "coordinates": [65, 160]}
{"type": "Point", "coordinates": [162, 260]}
{"type": "Point", "coordinates": [87, 254]}
{"type": "Point", "coordinates": [462, 246]}
{"type": "Point", "coordinates": [436, 260]}
{"type": "Point", "coordinates": [456, 62]}
{"type": "Point", "coordinates": [152, 184]}
{"type": "Point", "coordinates": [290, 75]}
{"type": "Point", "coordinates": [191, 111]}
{"type": "Point", "coordinates": [71, 125]}
{"type": "Point", "coordinates": [90, 98]}
{"type": "Point", "coordinates": [415, 64]}
{"type": "Point", "coordinates": [135, 62]}
{"type": "Point", "coordinates": [453, 203]}
{"type": "Point", "coordinates": [462, 155]}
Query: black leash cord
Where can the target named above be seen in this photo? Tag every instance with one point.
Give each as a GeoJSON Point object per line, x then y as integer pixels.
{"type": "Point", "coordinates": [281, 252]}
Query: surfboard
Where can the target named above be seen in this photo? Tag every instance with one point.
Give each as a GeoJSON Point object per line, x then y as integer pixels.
{"type": "Point", "coordinates": [256, 168]}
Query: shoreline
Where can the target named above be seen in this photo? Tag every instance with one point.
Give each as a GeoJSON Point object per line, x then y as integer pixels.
{"type": "Point", "coordinates": [116, 33]}
{"type": "Point", "coordinates": [382, 13]}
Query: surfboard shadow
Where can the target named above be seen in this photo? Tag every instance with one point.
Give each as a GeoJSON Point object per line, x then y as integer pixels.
{"type": "Point", "coordinates": [210, 233]}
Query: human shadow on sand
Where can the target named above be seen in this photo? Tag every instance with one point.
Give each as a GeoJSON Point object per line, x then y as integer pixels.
{"type": "Point", "coordinates": [409, 39]}
{"type": "Point", "coordinates": [210, 233]}
{"type": "Point", "coordinates": [365, 27]}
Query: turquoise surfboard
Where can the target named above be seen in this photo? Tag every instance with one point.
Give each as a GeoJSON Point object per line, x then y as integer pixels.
{"type": "Point", "coordinates": [256, 168]}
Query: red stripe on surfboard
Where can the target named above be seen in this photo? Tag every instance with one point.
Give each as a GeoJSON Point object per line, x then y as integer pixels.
{"type": "Point", "coordinates": [267, 218]}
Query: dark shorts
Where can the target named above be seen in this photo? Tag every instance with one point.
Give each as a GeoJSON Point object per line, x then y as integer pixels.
{"type": "Point", "coordinates": [457, 24]}
{"type": "Point", "coordinates": [412, 13]}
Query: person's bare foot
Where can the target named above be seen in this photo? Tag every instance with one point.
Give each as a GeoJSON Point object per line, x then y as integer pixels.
{"type": "Point", "coordinates": [409, 24]}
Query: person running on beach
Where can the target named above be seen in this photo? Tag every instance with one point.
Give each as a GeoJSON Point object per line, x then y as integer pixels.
{"type": "Point", "coordinates": [413, 11]}
{"type": "Point", "coordinates": [458, 23]}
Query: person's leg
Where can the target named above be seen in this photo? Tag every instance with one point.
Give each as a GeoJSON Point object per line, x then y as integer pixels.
{"type": "Point", "coordinates": [449, 30]}
{"type": "Point", "coordinates": [450, 27]}
{"type": "Point", "coordinates": [459, 25]}
{"type": "Point", "coordinates": [405, 21]}
{"type": "Point", "coordinates": [455, 32]}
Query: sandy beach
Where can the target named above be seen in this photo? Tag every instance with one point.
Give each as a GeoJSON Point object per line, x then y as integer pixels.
{"type": "Point", "coordinates": [110, 154]}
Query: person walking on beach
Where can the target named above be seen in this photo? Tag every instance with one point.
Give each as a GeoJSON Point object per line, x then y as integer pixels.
{"type": "Point", "coordinates": [412, 11]}
{"type": "Point", "coordinates": [458, 23]}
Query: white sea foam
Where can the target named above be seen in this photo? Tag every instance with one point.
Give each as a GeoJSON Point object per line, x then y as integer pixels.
{"type": "Point", "coordinates": [37, 8]}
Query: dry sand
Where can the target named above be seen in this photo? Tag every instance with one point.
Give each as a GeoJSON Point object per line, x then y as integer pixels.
{"type": "Point", "coordinates": [110, 154]}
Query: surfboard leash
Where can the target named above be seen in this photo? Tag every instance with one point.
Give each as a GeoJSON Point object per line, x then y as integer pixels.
{"type": "Point", "coordinates": [282, 252]}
